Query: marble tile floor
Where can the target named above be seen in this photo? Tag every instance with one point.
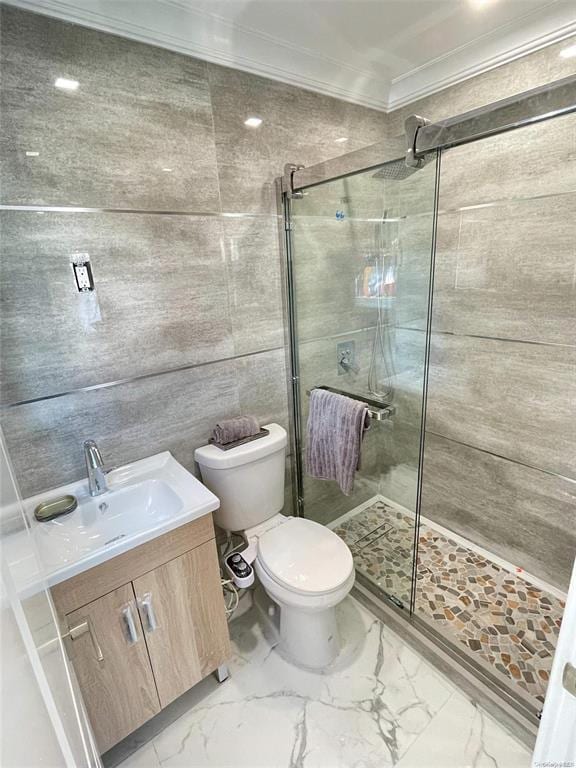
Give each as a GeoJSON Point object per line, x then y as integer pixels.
{"type": "Point", "coordinates": [379, 705]}
{"type": "Point", "coordinates": [497, 615]}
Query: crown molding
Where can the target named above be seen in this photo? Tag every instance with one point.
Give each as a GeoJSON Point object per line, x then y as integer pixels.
{"type": "Point", "coordinates": [507, 44]}
{"type": "Point", "coordinates": [171, 24]}
{"type": "Point", "coordinates": [235, 27]}
{"type": "Point", "coordinates": [174, 25]}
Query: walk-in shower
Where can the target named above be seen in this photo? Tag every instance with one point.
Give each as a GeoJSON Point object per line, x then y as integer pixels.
{"type": "Point", "coordinates": [436, 286]}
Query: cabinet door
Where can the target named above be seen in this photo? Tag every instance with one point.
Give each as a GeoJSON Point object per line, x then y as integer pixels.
{"type": "Point", "coordinates": [112, 665]}
{"type": "Point", "coordinates": [182, 610]}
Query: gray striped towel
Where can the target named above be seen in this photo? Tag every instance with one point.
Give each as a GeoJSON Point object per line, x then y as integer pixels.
{"type": "Point", "coordinates": [230, 430]}
{"type": "Point", "coordinates": [336, 427]}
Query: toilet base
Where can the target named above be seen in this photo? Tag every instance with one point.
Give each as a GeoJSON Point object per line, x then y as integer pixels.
{"type": "Point", "coordinates": [308, 631]}
{"type": "Point", "coordinates": [310, 640]}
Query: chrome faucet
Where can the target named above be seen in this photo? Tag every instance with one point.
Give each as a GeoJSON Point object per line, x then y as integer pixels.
{"type": "Point", "coordinates": [95, 468]}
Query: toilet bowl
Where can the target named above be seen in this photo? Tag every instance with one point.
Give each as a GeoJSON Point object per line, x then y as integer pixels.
{"type": "Point", "coordinates": [307, 570]}
{"type": "Point", "coordinates": [304, 567]}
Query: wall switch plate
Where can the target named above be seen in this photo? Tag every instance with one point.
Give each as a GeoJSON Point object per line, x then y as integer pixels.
{"type": "Point", "coordinates": [83, 274]}
{"type": "Point", "coordinates": [345, 357]}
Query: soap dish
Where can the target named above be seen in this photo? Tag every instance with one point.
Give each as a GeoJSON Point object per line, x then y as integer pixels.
{"type": "Point", "coordinates": [48, 510]}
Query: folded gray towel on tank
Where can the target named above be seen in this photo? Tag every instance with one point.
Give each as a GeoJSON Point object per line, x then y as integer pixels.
{"type": "Point", "coordinates": [336, 426]}
{"type": "Point", "coordinates": [230, 430]}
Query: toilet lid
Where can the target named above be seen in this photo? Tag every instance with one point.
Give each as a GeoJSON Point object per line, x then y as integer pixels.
{"type": "Point", "coordinates": [305, 556]}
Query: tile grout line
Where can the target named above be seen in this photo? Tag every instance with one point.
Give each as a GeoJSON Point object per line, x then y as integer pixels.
{"type": "Point", "coordinates": [221, 217]}
{"type": "Point", "coordinates": [141, 377]}
{"type": "Point", "coordinates": [500, 456]}
{"type": "Point", "coordinates": [432, 719]}
{"type": "Point", "coordinates": [153, 742]}
{"type": "Point", "coordinates": [137, 211]}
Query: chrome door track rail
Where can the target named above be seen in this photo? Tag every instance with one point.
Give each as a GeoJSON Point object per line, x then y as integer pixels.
{"type": "Point", "coordinates": [422, 136]}
{"type": "Point", "coordinates": [542, 103]}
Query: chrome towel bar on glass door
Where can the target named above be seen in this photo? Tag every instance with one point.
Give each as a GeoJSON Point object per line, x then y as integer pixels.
{"type": "Point", "coordinates": [378, 411]}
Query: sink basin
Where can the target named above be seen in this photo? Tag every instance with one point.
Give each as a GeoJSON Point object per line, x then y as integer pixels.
{"type": "Point", "coordinates": [145, 499]}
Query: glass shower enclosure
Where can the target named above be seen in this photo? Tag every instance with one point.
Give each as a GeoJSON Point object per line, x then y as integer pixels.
{"type": "Point", "coordinates": [415, 285]}
{"type": "Point", "coordinates": [361, 252]}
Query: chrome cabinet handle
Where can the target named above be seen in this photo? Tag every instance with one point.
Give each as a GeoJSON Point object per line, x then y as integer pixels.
{"type": "Point", "coordinates": [82, 628]}
{"type": "Point", "coordinates": [148, 608]}
{"type": "Point", "coordinates": [130, 624]}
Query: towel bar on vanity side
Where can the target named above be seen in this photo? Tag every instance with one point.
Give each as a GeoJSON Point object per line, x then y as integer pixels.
{"type": "Point", "coordinates": [378, 411]}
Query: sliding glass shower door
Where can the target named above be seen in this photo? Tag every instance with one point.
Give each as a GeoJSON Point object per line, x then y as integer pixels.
{"type": "Point", "coordinates": [361, 253]}
{"type": "Point", "coordinates": [497, 534]}
{"type": "Point", "coordinates": [475, 535]}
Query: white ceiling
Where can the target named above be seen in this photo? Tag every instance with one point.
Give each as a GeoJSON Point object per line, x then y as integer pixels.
{"type": "Point", "coordinates": [381, 53]}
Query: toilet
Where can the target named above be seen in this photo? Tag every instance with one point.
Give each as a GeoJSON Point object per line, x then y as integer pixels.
{"type": "Point", "coordinates": [304, 567]}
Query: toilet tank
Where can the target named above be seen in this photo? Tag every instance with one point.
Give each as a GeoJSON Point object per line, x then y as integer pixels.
{"type": "Point", "coordinates": [248, 480]}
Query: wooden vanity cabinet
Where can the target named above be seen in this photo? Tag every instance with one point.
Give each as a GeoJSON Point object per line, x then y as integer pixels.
{"type": "Point", "coordinates": [144, 627]}
{"type": "Point", "coordinates": [113, 672]}
{"type": "Point", "coordinates": [188, 623]}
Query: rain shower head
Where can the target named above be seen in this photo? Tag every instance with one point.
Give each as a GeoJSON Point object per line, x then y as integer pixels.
{"type": "Point", "coordinates": [397, 170]}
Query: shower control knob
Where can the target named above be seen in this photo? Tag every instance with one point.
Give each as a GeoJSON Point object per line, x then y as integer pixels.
{"type": "Point", "coordinates": [241, 572]}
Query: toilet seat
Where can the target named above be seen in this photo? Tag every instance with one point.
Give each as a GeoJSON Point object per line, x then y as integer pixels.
{"type": "Point", "coordinates": [304, 557]}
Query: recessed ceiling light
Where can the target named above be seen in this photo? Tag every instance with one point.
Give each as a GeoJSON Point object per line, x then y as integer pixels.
{"type": "Point", "coordinates": [32, 154]}
{"type": "Point", "coordinates": [341, 140]}
{"type": "Point", "coordinates": [65, 84]}
{"type": "Point", "coordinates": [568, 53]}
{"type": "Point", "coordinates": [481, 3]}
{"type": "Point", "coordinates": [167, 170]}
{"type": "Point", "coordinates": [253, 122]}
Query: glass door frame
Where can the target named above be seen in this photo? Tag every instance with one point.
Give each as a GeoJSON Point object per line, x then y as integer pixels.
{"type": "Point", "coordinates": [347, 164]}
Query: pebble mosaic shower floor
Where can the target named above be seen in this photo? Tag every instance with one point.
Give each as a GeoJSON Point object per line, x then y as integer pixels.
{"type": "Point", "coordinates": [498, 615]}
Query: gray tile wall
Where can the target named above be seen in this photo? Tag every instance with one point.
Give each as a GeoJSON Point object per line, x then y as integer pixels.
{"type": "Point", "coordinates": [521, 513]}
{"type": "Point", "coordinates": [202, 288]}
{"type": "Point", "coordinates": [500, 455]}
{"type": "Point", "coordinates": [195, 288]}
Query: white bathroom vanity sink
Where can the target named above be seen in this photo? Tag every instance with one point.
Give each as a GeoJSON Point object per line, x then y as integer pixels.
{"type": "Point", "coordinates": [145, 499]}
